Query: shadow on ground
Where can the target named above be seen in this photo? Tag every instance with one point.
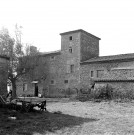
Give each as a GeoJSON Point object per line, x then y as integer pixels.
{"type": "Point", "coordinates": [40, 122]}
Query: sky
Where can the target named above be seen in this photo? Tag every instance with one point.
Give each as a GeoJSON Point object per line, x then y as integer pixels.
{"type": "Point", "coordinates": [43, 20]}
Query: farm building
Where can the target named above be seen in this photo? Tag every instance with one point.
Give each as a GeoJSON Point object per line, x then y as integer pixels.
{"type": "Point", "coordinates": [78, 62]}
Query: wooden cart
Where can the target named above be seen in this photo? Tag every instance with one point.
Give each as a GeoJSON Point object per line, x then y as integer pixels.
{"type": "Point", "coordinates": [28, 106]}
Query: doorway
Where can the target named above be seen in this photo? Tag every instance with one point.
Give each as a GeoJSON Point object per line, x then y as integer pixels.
{"type": "Point", "coordinates": [36, 90]}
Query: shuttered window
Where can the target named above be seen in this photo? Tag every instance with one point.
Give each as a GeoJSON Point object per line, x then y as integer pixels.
{"type": "Point", "coordinates": [92, 74]}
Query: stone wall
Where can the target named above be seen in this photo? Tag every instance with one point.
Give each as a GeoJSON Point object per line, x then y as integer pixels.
{"type": "Point", "coordinates": [25, 88]}
{"type": "Point", "coordinates": [54, 73]}
{"type": "Point", "coordinates": [89, 47]}
{"type": "Point", "coordinates": [120, 89]}
{"type": "Point", "coordinates": [118, 73]}
{"type": "Point", "coordinates": [59, 68]}
{"type": "Point", "coordinates": [118, 86]}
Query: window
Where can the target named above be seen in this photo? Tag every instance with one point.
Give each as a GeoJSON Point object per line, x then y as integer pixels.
{"type": "Point", "coordinates": [24, 86]}
{"type": "Point", "coordinates": [65, 81]}
{"type": "Point", "coordinates": [71, 68]}
{"type": "Point", "coordinates": [70, 49]}
{"type": "Point", "coordinates": [92, 73]}
{"type": "Point", "coordinates": [52, 82]}
{"type": "Point", "coordinates": [100, 73]}
{"type": "Point", "coordinates": [52, 57]}
{"type": "Point", "coordinates": [70, 38]}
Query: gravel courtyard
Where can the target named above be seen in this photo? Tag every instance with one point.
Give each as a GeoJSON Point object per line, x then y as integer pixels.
{"type": "Point", "coordinates": [111, 118]}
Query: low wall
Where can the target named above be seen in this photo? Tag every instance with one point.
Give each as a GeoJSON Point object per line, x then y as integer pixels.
{"type": "Point", "coordinates": [122, 87]}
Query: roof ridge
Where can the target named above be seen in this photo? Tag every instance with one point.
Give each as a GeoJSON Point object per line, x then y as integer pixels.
{"type": "Point", "coordinates": [110, 58]}
{"type": "Point", "coordinates": [80, 30]}
{"type": "Point", "coordinates": [117, 55]}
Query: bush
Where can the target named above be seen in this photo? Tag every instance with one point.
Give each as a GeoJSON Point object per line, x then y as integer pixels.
{"type": "Point", "coordinates": [123, 95]}
{"type": "Point", "coordinates": [109, 93]}
{"type": "Point", "coordinates": [106, 92]}
{"type": "Point", "coordinates": [103, 93]}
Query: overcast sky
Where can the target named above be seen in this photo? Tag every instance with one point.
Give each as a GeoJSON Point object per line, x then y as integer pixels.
{"type": "Point", "coordinates": [44, 20]}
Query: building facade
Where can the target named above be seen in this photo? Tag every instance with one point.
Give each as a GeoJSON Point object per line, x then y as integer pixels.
{"type": "Point", "coordinates": [116, 70]}
{"type": "Point", "coordinates": [3, 75]}
{"type": "Point", "coordinates": [78, 63]}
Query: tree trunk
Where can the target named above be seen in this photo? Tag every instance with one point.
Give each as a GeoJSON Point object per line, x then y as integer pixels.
{"type": "Point", "coordinates": [13, 89]}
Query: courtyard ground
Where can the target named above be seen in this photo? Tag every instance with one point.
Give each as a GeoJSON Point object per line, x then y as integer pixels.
{"type": "Point", "coordinates": [109, 118]}
{"type": "Point", "coordinates": [74, 118]}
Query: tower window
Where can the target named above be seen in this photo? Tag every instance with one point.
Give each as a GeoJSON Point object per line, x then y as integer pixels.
{"type": "Point", "coordinates": [70, 38]}
{"type": "Point", "coordinates": [52, 57]}
{"type": "Point", "coordinates": [71, 68]}
{"type": "Point", "coordinates": [70, 49]}
{"type": "Point", "coordinates": [52, 82]}
{"type": "Point", "coordinates": [25, 87]}
{"type": "Point", "coordinates": [65, 81]}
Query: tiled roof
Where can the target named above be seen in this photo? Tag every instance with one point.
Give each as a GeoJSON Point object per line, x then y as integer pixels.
{"type": "Point", "coordinates": [114, 80]}
{"type": "Point", "coordinates": [79, 30]}
{"type": "Point", "coordinates": [121, 57]}
{"type": "Point", "coordinates": [123, 68]}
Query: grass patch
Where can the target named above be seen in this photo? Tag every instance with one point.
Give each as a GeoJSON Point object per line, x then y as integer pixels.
{"type": "Point", "coordinates": [39, 122]}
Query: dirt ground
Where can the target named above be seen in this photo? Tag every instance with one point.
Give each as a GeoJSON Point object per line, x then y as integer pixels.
{"type": "Point", "coordinates": [109, 118]}
{"type": "Point", "coordinates": [65, 117]}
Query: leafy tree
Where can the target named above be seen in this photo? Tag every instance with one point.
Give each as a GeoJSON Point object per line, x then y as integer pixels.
{"type": "Point", "coordinates": [22, 60]}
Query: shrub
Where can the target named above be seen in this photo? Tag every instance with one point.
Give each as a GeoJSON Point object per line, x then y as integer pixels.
{"type": "Point", "coordinates": [104, 93]}
{"type": "Point", "coordinates": [101, 93]}
{"type": "Point", "coordinates": [123, 95]}
{"type": "Point", "coordinates": [108, 93]}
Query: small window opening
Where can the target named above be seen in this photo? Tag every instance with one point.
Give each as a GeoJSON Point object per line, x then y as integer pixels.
{"type": "Point", "coordinates": [52, 57]}
{"type": "Point", "coordinates": [65, 81]}
{"type": "Point", "coordinates": [100, 73]}
{"type": "Point", "coordinates": [52, 82]}
{"type": "Point", "coordinates": [71, 68]}
{"type": "Point", "coordinates": [92, 73]}
{"type": "Point", "coordinates": [70, 49]}
{"type": "Point", "coordinates": [70, 38]}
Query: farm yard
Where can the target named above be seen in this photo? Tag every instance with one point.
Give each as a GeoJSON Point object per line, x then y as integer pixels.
{"type": "Point", "coordinates": [110, 118]}
{"type": "Point", "coordinates": [64, 117]}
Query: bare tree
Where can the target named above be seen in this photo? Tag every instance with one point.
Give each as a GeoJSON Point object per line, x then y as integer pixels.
{"type": "Point", "coordinates": [22, 61]}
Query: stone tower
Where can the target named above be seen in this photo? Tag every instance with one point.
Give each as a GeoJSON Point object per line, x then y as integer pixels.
{"type": "Point", "coordinates": [77, 46]}
{"type": "Point", "coordinates": [89, 46]}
